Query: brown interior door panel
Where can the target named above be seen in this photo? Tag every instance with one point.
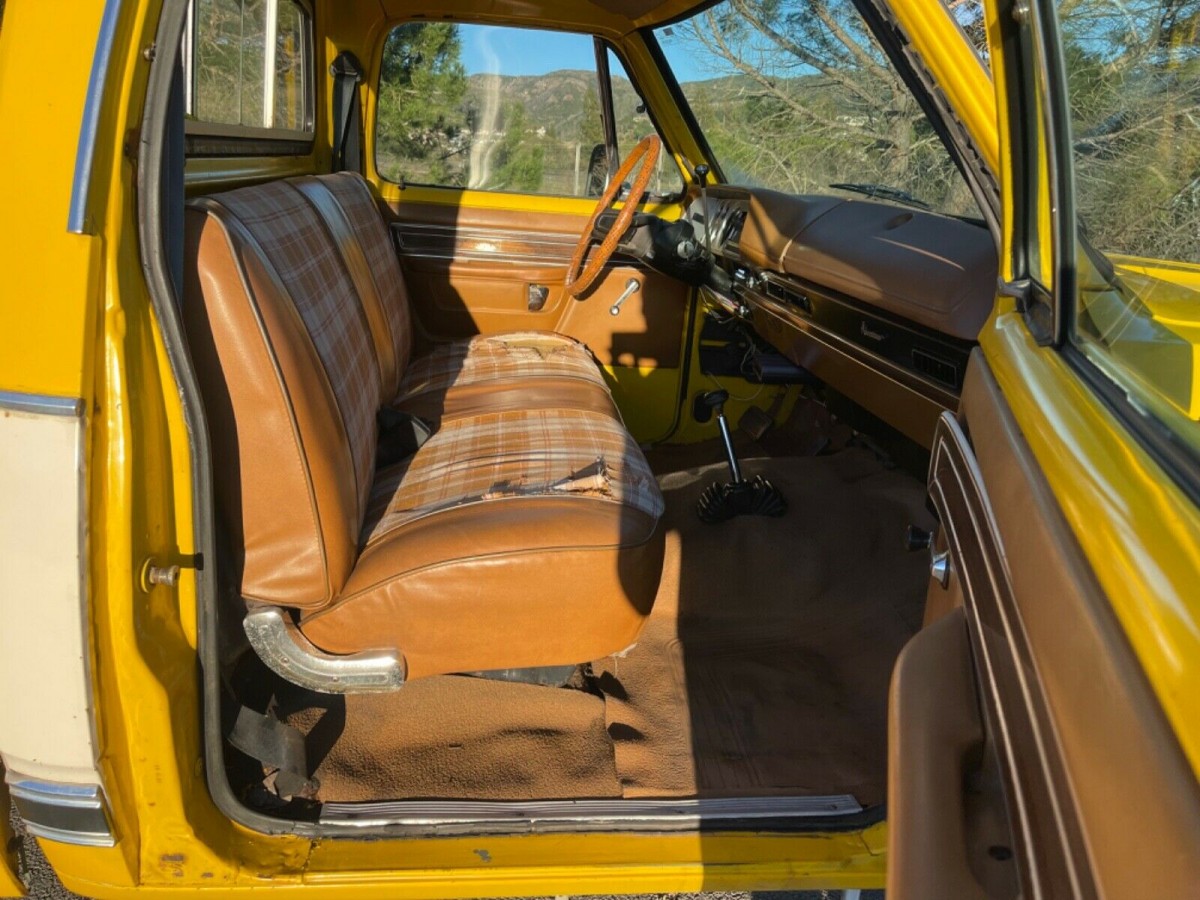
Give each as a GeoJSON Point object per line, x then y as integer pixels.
{"type": "Point", "coordinates": [1098, 798]}
{"type": "Point", "coordinates": [456, 298]}
{"type": "Point", "coordinates": [485, 271]}
{"type": "Point", "coordinates": [937, 745]}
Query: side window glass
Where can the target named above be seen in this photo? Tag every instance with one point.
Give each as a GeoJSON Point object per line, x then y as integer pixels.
{"type": "Point", "coordinates": [633, 123]}
{"type": "Point", "coordinates": [489, 108]}
{"type": "Point", "coordinates": [1133, 78]}
{"type": "Point", "coordinates": [1133, 73]}
{"type": "Point", "coordinates": [248, 67]}
{"type": "Point", "coordinates": [801, 98]}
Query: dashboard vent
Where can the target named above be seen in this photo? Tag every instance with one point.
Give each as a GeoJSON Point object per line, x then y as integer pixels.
{"type": "Point", "coordinates": [935, 368]}
{"type": "Point", "coordinates": [778, 292]}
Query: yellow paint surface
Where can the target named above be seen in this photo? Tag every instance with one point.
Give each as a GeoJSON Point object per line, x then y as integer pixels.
{"type": "Point", "coordinates": [1139, 532]}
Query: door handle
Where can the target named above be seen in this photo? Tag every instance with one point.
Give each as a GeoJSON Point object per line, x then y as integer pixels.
{"type": "Point", "coordinates": [536, 297]}
{"type": "Point", "coordinates": [632, 286]}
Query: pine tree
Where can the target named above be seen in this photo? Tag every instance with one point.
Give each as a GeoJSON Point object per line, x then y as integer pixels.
{"type": "Point", "coordinates": [423, 130]}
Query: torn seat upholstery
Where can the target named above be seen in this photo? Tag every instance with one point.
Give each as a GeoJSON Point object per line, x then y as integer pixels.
{"type": "Point", "coordinates": [523, 532]}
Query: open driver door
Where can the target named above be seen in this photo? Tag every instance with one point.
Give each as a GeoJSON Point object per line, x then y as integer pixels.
{"type": "Point", "coordinates": [1044, 725]}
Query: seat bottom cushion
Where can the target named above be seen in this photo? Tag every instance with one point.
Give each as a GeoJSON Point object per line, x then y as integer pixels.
{"type": "Point", "coordinates": [511, 539]}
{"type": "Point", "coordinates": [495, 373]}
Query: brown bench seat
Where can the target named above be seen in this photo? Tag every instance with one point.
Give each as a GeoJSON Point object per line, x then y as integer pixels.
{"type": "Point", "coordinates": [523, 533]}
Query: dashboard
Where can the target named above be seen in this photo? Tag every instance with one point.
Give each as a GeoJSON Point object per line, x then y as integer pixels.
{"type": "Point", "coordinates": [883, 303]}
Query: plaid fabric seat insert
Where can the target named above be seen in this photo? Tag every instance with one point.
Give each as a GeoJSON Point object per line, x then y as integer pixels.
{"type": "Point", "coordinates": [524, 453]}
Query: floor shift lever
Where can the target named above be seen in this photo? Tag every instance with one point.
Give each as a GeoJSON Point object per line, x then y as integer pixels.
{"type": "Point", "coordinates": [716, 401]}
{"type": "Point", "coordinates": [756, 497]}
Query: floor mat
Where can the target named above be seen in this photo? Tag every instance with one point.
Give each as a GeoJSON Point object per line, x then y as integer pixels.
{"type": "Point", "coordinates": [456, 737]}
{"type": "Point", "coordinates": [764, 667]}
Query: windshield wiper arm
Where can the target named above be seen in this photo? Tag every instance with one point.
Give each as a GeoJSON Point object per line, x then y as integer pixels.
{"type": "Point", "coordinates": [883, 192]}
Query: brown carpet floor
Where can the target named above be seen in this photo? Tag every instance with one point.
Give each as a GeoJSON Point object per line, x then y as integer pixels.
{"type": "Point", "coordinates": [762, 670]}
{"type": "Point", "coordinates": [765, 664]}
{"type": "Point", "coordinates": [458, 738]}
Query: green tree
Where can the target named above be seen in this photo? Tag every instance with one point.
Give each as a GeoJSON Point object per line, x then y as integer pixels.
{"type": "Point", "coordinates": [519, 161]}
{"type": "Point", "coordinates": [228, 61]}
{"type": "Point", "coordinates": [591, 126]}
{"type": "Point", "coordinates": [802, 97]}
{"type": "Point", "coordinates": [1134, 87]}
{"type": "Point", "coordinates": [423, 128]}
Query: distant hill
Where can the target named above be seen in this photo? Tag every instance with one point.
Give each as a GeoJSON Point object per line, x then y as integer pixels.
{"type": "Point", "coordinates": [557, 100]}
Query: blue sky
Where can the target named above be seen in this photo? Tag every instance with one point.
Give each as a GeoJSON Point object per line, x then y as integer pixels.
{"type": "Point", "coordinates": [514, 51]}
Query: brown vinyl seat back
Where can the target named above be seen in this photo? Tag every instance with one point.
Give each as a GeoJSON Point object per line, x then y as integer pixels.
{"type": "Point", "coordinates": [290, 371]}
{"type": "Point", "coordinates": [353, 221]}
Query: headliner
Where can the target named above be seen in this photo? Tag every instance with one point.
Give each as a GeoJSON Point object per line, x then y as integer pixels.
{"type": "Point", "coordinates": [619, 16]}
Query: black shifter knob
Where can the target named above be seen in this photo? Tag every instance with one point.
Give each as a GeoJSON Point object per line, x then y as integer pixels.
{"type": "Point", "coordinates": [702, 174]}
{"type": "Point", "coordinates": [716, 399]}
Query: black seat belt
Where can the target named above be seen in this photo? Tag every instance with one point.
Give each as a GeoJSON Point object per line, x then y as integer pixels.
{"type": "Point", "coordinates": [279, 748]}
{"type": "Point", "coordinates": [401, 434]}
{"type": "Point", "coordinates": [347, 73]}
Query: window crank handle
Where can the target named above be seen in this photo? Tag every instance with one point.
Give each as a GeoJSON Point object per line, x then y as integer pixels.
{"type": "Point", "coordinates": [631, 287]}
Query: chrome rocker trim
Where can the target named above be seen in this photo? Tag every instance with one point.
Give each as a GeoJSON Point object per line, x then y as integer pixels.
{"type": "Point", "coordinates": [67, 813]}
{"type": "Point", "coordinates": [290, 655]}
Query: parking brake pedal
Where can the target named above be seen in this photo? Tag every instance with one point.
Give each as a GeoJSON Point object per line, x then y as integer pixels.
{"type": "Point", "coordinates": [756, 497]}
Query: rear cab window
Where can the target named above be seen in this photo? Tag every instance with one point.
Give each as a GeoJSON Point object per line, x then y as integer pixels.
{"type": "Point", "coordinates": [248, 77]}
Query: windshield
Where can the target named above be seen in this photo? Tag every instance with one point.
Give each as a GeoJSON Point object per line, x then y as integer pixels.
{"type": "Point", "coordinates": [798, 97]}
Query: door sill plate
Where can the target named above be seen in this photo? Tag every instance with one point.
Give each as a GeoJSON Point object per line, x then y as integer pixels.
{"type": "Point", "coordinates": [581, 815]}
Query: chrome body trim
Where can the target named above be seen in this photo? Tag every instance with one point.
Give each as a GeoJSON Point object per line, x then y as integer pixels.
{"type": "Point", "coordinates": [939, 568]}
{"type": "Point", "coordinates": [595, 815]}
{"type": "Point", "coordinates": [81, 182]}
{"type": "Point", "coordinates": [497, 257]}
{"type": "Point", "coordinates": [40, 404]}
{"type": "Point", "coordinates": [68, 813]}
{"type": "Point", "coordinates": [498, 246]}
{"type": "Point", "coordinates": [290, 655]}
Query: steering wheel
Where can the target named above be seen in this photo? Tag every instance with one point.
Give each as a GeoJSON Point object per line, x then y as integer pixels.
{"type": "Point", "coordinates": [580, 277]}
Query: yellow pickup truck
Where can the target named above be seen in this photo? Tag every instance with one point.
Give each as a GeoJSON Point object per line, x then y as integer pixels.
{"type": "Point", "coordinates": [601, 446]}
